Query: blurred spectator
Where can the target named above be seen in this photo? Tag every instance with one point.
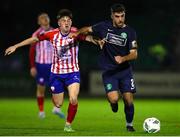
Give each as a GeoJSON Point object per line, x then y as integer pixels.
{"type": "Point", "coordinates": [161, 55]}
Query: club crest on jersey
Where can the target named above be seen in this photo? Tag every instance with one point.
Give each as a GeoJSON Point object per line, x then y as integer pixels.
{"type": "Point", "coordinates": [109, 86]}
{"type": "Point", "coordinates": [124, 35]}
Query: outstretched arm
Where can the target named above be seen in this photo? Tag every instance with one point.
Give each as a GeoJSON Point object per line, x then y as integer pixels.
{"type": "Point", "coordinates": [84, 31]}
{"type": "Point", "coordinates": [21, 44]}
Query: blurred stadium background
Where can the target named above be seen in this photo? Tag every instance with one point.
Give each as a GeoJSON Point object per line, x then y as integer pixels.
{"type": "Point", "coordinates": [158, 28]}
{"type": "Point", "coordinates": [157, 23]}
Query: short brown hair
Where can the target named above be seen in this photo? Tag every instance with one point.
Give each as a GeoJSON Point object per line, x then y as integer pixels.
{"type": "Point", "coordinates": [118, 8]}
{"type": "Point", "coordinates": [64, 12]}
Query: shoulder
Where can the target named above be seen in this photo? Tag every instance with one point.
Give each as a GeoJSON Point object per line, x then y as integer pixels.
{"type": "Point", "coordinates": [51, 28]}
{"type": "Point", "coordinates": [131, 32]}
{"type": "Point", "coordinates": [48, 35]}
{"type": "Point", "coordinates": [130, 29]}
{"type": "Point", "coordinates": [101, 26]}
{"type": "Point", "coordinates": [52, 32]}
{"type": "Point", "coordinates": [108, 23]}
{"type": "Point", "coordinates": [73, 29]}
{"type": "Point", "coordinates": [102, 23]}
{"type": "Point", "coordinates": [37, 32]}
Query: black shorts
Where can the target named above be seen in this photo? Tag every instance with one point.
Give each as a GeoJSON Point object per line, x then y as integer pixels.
{"type": "Point", "coordinates": [122, 81]}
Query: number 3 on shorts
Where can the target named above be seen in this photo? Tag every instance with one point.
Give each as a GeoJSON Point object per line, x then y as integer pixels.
{"type": "Point", "coordinates": [132, 84]}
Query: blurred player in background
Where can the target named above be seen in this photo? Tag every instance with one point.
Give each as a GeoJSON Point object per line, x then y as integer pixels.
{"type": "Point", "coordinates": [64, 69]}
{"type": "Point", "coordinates": [119, 48]}
{"type": "Point", "coordinates": [40, 56]}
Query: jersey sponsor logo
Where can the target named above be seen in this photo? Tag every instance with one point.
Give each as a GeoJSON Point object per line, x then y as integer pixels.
{"type": "Point", "coordinates": [63, 51]}
{"type": "Point", "coordinates": [116, 39]}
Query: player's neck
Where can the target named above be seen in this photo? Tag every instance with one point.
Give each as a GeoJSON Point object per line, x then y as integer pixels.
{"type": "Point", "coordinates": [114, 25]}
{"type": "Point", "coordinates": [46, 27]}
{"type": "Point", "coordinates": [64, 33]}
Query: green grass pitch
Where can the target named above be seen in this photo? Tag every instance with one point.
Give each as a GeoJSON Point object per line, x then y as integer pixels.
{"type": "Point", "coordinates": [94, 118]}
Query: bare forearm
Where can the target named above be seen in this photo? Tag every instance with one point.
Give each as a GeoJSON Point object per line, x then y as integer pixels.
{"type": "Point", "coordinates": [85, 30]}
{"type": "Point", "coordinates": [26, 42]}
{"type": "Point", "coordinates": [131, 56]}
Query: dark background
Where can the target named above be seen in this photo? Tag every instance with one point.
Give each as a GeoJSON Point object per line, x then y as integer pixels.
{"type": "Point", "coordinates": [156, 23]}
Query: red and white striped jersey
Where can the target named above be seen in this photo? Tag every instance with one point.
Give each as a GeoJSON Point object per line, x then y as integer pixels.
{"type": "Point", "coordinates": [41, 52]}
{"type": "Point", "coordinates": [65, 51]}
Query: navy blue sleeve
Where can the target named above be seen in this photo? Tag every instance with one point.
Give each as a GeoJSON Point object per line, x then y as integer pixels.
{"type": "Point", "coordinates": [97, 28]}
{"type": "Point", "coordinates": [132, 40]}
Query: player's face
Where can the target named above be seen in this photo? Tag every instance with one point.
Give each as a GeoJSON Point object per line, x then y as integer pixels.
{"type": "Point", "coordinates": [118, 19]}
{"type": "Point", "coordinates": [43, 20]}
{"type": "Point", "coordinates": [65, 24]}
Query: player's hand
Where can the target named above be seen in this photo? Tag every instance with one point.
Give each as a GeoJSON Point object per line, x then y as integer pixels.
{"type": "Point", "coordinates": [119, 59]}
{"type": "Point", "coordinates": [10, 50]}
{"type": "Point", "coordinates": [33, 71]}
{"type": "Point", "coordinates": [73, 35]}
{"type": "Point", "coordinates": [101, 43]}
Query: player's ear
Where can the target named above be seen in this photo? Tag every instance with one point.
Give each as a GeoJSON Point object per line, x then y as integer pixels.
{"type": "Point", "coordinates": [38, 22]}
{"type": "Point", "coordinates": [111, 15]}
{"type": "Point", "coordinates": [59, 23]}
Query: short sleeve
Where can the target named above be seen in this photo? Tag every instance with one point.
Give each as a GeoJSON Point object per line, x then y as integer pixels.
{"type": "Point", "coordinates": [81, 37]}
{"type": "Point", "coordinates": [44, 36]}
{"type": "Point", "coordinates": [133, 40]}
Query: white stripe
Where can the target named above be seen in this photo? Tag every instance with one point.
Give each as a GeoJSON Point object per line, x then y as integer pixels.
{"type": "Point", "coordinates": [77, 55]}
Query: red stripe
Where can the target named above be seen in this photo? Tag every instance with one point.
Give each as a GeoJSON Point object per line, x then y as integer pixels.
{"type": "Point", "coordinates": [67, 65]}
